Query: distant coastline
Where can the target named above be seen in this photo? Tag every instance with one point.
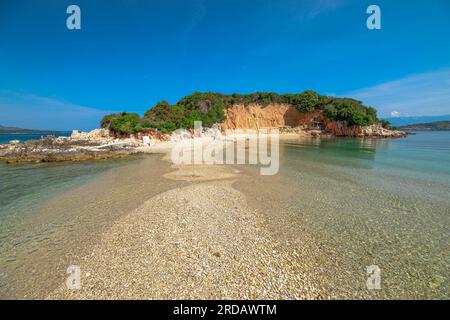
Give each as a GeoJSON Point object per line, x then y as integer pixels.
{"type": "Point", "coordinates": [14, 130]}
{"type": "Point", "coordinates": [6, 137]}
{"type": "Point", "coordinates": [413, 120]}
{"type": "Point", "coordinates": [34, 132]}
{"type": "Point", "coordinates": [432, 126]}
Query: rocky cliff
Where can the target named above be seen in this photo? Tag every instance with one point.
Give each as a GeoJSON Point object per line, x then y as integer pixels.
{"type": "Point", "coordinates": [255, 116]}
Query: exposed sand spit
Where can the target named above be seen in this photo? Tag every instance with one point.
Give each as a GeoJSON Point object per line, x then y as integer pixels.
{"type": "Point", "coordinates": [200, 173]}
{"type": "Point", "coordinates": [201, 241]}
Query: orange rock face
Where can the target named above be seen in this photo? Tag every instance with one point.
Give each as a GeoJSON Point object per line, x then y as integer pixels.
{"type": "Point", "coordinates": [280, 115]}
{"type": "Point", "coordinates": [271, 116]}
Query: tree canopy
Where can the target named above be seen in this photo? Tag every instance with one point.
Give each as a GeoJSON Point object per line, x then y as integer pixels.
{"type": "Point", "coordinates": [209, 108]}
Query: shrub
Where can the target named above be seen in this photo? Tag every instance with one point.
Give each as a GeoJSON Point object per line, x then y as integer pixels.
{"type": "Point", "coordinates": [307, 101]}
{"type": "Point", "coordinates": [385, 124]}
{"type": "Point", "coordinates": [209, 108]}
{"type": "Point", "coordinates": [124, 123]}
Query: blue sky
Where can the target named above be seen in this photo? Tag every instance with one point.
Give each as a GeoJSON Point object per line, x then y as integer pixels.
{"type": "Point", "coordinates": [130, 54]}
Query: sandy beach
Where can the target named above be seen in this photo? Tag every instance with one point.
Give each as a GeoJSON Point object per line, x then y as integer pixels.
{"type": "Point", "coordinates": [200, 241]}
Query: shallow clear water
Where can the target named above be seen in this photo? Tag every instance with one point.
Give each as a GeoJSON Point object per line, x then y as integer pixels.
{"type": "Point", "coordinates": [347, 204]}
{"type": "Point", "coordinates": [342, 204]}
{"type": "Point", "coordinates": [32, 230]}
{"type": "Point", "coordinates": [52, 215]}
{"type": "Point", "coordinates": [24, 186]}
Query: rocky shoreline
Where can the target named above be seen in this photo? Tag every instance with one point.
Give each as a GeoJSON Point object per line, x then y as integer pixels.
{"type": "Point", "coordinates": [94, 145]}
{"type": "Point", "coordinates": [103, 144]}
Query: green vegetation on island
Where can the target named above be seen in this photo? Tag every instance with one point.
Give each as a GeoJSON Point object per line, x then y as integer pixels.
{"type": "Point", "coordinates": [209, 108]}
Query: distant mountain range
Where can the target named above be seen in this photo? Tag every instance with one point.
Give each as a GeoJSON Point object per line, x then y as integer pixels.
{"type": "Point", "coordinates": [404, 121]}
{"type": "Point", "coordinates": [12, 130]}
{"type": "Point", "coordinates": [433, 126]}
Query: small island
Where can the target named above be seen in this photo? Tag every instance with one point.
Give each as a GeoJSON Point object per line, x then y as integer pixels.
{"type": "Point", "coordinates": [306, 114]}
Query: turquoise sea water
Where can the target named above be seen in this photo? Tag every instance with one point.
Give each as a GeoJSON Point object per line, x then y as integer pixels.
{"type": "Point", "coordinates": [38, 232]}
{"type": "Point", "coordinates": [24, 186]}
{"type": "Point", "coordinates": [6, 138]}
{"type": "Point", "coordinates": [347, 204]}
{"type": "Point", "coordinates": [344, 204]}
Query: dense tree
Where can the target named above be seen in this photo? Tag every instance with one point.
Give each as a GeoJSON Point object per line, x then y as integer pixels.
{"type": "Point", "coordinates": [386, 124]}
{"type": "Point", "coordinates": [124, 122]}
{"type": "Point", "coordinates": [209, 108]}
{"type": "Point", "coordinates": [307, 101]}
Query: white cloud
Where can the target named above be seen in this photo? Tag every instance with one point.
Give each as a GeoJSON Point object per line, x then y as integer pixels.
{"type": "Point", "coordinates": [415, 95]}
{"type": "Point", "coordinates": [37, 112]}
{"type": "Point", "coordinates": [395, 114]}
